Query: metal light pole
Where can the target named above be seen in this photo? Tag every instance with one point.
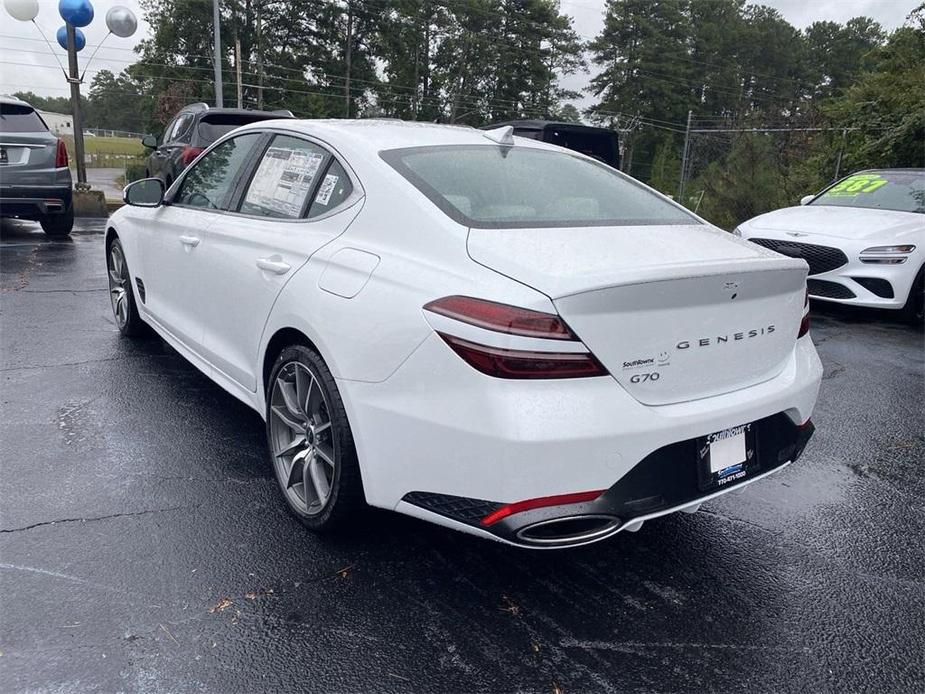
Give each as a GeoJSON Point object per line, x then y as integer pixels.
{"type": "Point", "coordinates": [217, 31]}
{"type": "Point", "coordinates": [76, 116]}
{"type": "Point", "coordinates": [687, 142]}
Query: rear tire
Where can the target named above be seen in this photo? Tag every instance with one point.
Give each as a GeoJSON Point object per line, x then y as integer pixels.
{"type": "Point", "coordinates": [311, 444]}
{"type": "Point", "coordinates": [914, 310]}
{"type": "Point", "coordinates": [121, 294]}
{"type": "Point", "coordinates": [58, 225]}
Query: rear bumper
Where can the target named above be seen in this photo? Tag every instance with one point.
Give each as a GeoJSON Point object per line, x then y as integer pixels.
{"type": "Point", "coordinates": [663, 482]}
{"type": "Point", "coordinates": [34, 201]}
{"type": "Point", "coordinates": [439, 427]}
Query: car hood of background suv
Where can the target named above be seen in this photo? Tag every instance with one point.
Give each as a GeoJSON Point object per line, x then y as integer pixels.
{"type": "Point", "coordinates": [856, 223]}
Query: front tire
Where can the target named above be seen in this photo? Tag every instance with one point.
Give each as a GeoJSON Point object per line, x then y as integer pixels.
{"type": "Point", "coordinates": [58, 225]}
{"type": "Point", "coordinates": [914, 309]}
{"type": "Point", "coordinates": [311, 444]}
{"type": "Point", "coordinates": [121, 296]}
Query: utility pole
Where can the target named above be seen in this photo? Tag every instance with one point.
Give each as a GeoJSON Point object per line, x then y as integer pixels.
{"type": "Point", "coordinates": [348, 57]}
{"type": "Point", "coordinates": [217, 58]}
{"type": "Point", "coordinates": [841, 153]}
{"type": "Point", "coordinates": [237, 66]}
{"type": "Point", "coordinates": [687, 142]}
{"type": "Point", "coordinates": [259, 60]}
{"type": "Point", "coordinates": [76, 116]}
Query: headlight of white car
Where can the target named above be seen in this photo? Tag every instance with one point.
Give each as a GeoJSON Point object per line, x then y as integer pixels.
{"type": "Point", "coordinates": [886, 255]}
{"type": "Point", "coordinates": [737, 232]}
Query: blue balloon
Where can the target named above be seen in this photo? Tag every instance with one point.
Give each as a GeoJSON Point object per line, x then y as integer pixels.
{"type": "Point", "coordinates": [79, 39]}
{"type": "Point", "coordinates": [78, 13]}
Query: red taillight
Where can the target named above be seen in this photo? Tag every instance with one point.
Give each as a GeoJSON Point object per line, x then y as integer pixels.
{"type": "Point", "coordinates": [517, 363]}
{"type": "Point", "coordinates": [502, 318]}
{"type": "Point", "coordinates": [189, 153]}
{"type": "Point", "coordinates": [61, 155]}
{"type": "Point", "coordinates": [542, 502]}
{"type": "Point", "coordinates": [804, 324]}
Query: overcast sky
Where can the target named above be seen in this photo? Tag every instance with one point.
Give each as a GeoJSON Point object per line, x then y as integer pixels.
{"type": "Point", "coordinates": [26, 63]}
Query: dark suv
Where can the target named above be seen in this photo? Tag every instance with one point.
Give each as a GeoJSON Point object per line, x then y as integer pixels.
{"type": "Point", "coordinates": [600, 143]}
{"type": "Point", "coordinates": [35, 182]}
{"type": "Point", "coordinates": [193, 129]}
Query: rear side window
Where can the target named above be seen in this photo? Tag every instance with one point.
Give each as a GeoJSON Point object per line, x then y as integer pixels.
{"type": "Point", "coordinates": [334, 189]}
{"type": "Point", "coordinates": [180, 129]}
{"type": "Point", "coordinates": [210, 181]}
{"type": "Point", "coordinates": [285, 178]}
{"type": "Point", "coordinates": [19, 118]}
{"type": "Point", "coordinates": [520, 187]}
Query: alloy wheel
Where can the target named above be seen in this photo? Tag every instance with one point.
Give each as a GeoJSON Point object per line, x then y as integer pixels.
{"type": "Point", "coordinates": [118, 284]}
{"type": "Point", "coordinates": [301, 438]}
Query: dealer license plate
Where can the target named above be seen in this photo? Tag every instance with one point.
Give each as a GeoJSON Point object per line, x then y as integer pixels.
{"type": "Point", "coordinates": [726, 457]}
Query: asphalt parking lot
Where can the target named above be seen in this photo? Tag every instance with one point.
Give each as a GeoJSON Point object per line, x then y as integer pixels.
{"type": "Point", "coordinates": [144, 545]}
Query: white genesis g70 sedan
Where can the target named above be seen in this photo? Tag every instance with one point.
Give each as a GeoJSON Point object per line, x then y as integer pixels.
{"type": "Point", "coordinates": [490, 333]}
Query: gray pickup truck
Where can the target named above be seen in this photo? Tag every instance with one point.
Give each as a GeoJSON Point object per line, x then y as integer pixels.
{"type": "Point", "coordinates": [35, 182]}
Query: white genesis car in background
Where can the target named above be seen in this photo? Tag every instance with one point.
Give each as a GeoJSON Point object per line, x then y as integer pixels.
{"type": "Point", "coordinates": [863, 237]}
{"type": "Point", "coordinates": [487, 332]}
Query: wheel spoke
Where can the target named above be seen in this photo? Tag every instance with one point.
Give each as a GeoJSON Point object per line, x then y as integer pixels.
{"type": "Point", "coordinates": [289, 392]}
{"type": "Point", "coordinates": [283, 415]}
{"type": "Point", "coordinates": [294, 445]}
{"type": "Point", "coordinates": [326, 456]}
{"type": "Point", "coordinates": [304, 383]}
{"type": "Point", "coordinates": [120, 307]}
{"type": "Point", "coordinates": [115, 277]}
{"type": "Point", "coordinates": [314, 475]}
{"type": "Point", "coordinates": [295, 473]}
{"type": "Point", "coordinates": [321, 428]}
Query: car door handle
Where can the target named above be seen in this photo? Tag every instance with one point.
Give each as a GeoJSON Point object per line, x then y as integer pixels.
{"type": "Point", "coordinates": [190, 241]}
{"type": "Point", "coordinates": [275, 266]}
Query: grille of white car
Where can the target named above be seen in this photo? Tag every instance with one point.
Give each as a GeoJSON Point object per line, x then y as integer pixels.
{"type": "Point", "coordinates": [820, 258]}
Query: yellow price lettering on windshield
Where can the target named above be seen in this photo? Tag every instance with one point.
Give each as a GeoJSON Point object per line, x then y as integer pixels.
{"type": "Point", "coordinates": [854, 185]}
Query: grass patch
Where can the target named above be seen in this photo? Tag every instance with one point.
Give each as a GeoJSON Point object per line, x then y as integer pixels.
{"type": "Point", "coordinates": [107, 145]}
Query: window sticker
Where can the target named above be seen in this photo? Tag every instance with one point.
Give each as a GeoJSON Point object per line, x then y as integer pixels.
{"type": "Point", "coordinates": [856, 185]}
{"type": "Point", "coordinates": [327, 189]}
{"type": "Point", "coordinates": [284, 180]}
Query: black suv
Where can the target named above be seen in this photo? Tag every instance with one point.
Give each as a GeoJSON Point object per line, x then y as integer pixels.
{"type": "Point", "coordinates": [193, 129]}
{"type": "Point", "coordinates": [600, 143]}
{"type": "Point", "coordinates": [35, 182]}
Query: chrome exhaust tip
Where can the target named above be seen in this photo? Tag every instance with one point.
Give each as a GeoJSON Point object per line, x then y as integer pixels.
{"type": "Point", "coordinates": [568, 530]}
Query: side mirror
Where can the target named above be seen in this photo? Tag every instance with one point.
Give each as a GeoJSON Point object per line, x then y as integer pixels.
{"type": "Point", "coordinates": [148, 192]}
{"type": "Point", "coordinates": [149, 141]}
{"type": "Point", "coordinates": [806, 198]}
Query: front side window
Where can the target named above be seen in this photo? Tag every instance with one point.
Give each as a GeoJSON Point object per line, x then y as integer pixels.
{"type": "Point", "coordinates": [284, 180]}
{"type": "Point", "coordinates": [903, 191]}
{"type": "Point", "coordinates": [210, 182]}
{"type": "Point", "coordinates": [520, 187]}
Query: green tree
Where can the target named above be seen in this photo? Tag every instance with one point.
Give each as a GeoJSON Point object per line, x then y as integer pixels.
{"type": "Point", "coordinates": [887, 103]}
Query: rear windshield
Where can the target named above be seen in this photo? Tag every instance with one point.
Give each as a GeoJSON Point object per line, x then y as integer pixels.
{"type": "Point", "coordinates": [213, 127]}
{"type": "Point", "coordinates": [903, 191]}
{"type": "Point", "coordinates": [16, 118]}
{"type": "Point", "coordinates": [496, 187]}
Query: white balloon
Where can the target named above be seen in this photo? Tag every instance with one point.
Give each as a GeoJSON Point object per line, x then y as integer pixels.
{"type": "Point", "coordinates": [23, 10]}
{"type": "Point", "coordinates": [121, 21]}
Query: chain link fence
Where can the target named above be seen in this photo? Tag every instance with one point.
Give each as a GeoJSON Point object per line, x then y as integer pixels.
{"type": "Point", "coordinates": [731, 174]}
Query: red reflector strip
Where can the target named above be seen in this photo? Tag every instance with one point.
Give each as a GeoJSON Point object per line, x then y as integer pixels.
{"type": "Point", "coordinates": [516, 363]}
{"type": "Point", "coordinates": [542, 502]}
{"type": "Point", "coordinates": [804, 326]}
